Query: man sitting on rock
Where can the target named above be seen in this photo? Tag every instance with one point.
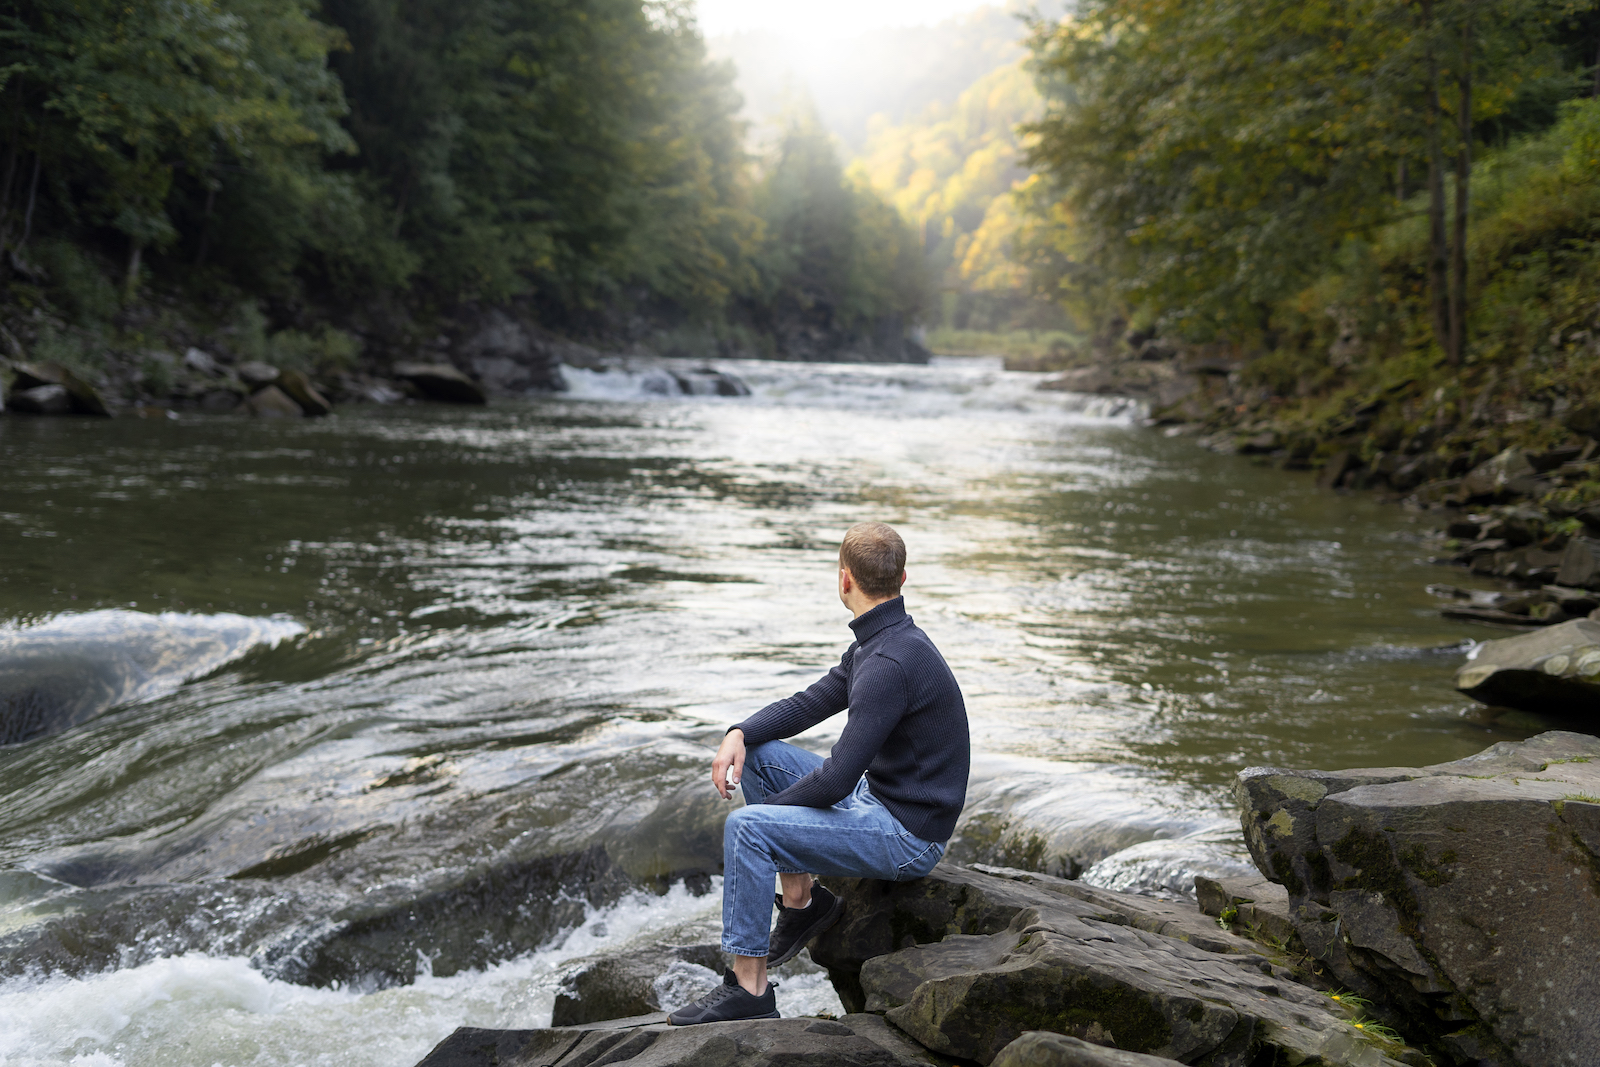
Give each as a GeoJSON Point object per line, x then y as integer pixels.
{"type": "Point", "coordinates": [881, 806]}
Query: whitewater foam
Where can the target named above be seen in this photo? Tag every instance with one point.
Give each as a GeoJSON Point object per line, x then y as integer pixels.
{"type": "Point", "coordinates": [199, 1010]}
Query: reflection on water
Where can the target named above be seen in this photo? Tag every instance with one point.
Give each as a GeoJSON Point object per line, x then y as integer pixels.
{"type": "Point", "coordinates": [525, 627]}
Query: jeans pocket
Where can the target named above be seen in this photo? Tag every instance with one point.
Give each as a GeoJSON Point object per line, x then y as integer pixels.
{"type": "Point", "coordinates": [923, 858]}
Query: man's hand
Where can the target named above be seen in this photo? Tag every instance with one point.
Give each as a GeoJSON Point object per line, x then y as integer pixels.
{"type": "Point", "coordinates": [730, 758]}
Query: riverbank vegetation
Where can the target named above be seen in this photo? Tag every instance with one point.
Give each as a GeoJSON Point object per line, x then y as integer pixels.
{"type": "Point", "coordinates": [324, 180]}
{"type": "Point", "coordinates": [1385, 216]}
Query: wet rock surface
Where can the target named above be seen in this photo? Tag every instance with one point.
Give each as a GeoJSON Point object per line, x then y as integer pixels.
{"type": "Point", "coordinates": [1046, 954]}
{"type": "Point", "coordinates": [1554, 671]}
{"type": "Point", "coordinates": [1463, 898]}
{"type": "Point", "coordinates": [1040, 1048]}
{"type": "Point", "coordinates": [439, 381]}
{"type": "Point", "coordinates": [854, 1041]}
{"type": "Point", "coordinates": [624, 983]}
{"type": "Point", "coordinates": [970, 966]}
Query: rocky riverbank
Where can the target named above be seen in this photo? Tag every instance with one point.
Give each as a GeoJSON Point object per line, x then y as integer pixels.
{"type": "Point", "coordinates": [1453, 906]}
{"type": "Point", "coordinates": [1514, 495]}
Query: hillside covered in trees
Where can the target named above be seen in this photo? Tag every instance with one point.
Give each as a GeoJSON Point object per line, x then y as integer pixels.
{"type": "Point", "coordinates": [1384, 215]}
{"type": "Point", "coordinates": [316, 182]}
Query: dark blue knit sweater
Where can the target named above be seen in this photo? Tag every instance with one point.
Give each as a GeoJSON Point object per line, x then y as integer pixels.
{"type": "Point", "coordinates": [907, 729]}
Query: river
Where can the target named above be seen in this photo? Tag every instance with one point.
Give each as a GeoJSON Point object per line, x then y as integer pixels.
{"type": "Point", "coordinates": [330, 736]}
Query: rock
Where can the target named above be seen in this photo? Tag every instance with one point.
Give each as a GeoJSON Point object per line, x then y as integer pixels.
{"type": "Point", "coordinates": [1555, 671]}
{"type": "Point", "coordinates": [1260, 908]}
{"type": "Point", "coordinates": [509, 353]}
{"type": "Point", "coordinates": [1084, 380]}
{"type": "Point", "coordinates": [271, 403]}
{"type": "Point", "coordinates": [1580, 564]}
{"type": "Point", "coordinates": [1333, 473]}
{"type": "Point", "coordinates": [854, 1041]}
{"type": "Point", "coordinates": [705, 381]}
{"type": "Point", "coordinates": [438, 381]}
{"type": "Point", "coordinates": [1507, 474]}
{"type": "Point", "coordinates": [1462, 898]}
{"type": "Point", "coordinates": [1584, 420]}
{"type": "Point", "coordinates": [303, 393]}
{"type": "Point", "coordinates": [1040, 1048]}
{"type": "Point", "coordinates": [256, 374]}
{"type": "Point", "coordinates": [617, 985]}
{"type": "Point", "coordinates": [1259, 444]}
{"type": "Point", "coordinates": [83, 399]}
{"type": "Point", "coordinates": [965, 961]}
{"type": "Point", "coordinates": [42, 400]}
{"type": "Point", "coordinates": [203, 363]}
{"type": "Point", "coordinates": [1590, 517]}
{"type": "Point", "coordinates": [970, 996]}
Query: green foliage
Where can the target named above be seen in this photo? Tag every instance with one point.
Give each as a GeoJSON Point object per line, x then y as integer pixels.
{"type": "Point", "coordinates": [833, 255]}
{"type": "Point", "coordinates": [581, 156]}
{"type": "Point", "coordinates": [1214, 157]}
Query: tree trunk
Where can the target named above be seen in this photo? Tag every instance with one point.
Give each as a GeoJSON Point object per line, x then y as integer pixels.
{"type": "Point", "coordinates": [1438, 250]}
{"type": "Point", "coordinates": [1400, 181]}
{"type": "Point", "coordinates": [205, 228]}
{"type": "Point", "coordinates": [1596, 90]}
{"type": "Point", "coordinates": [1458, 247]}
{"type": "Point", "coordinates": [133, 268]}
{"type": "Point", "coordinates": [33, 194]}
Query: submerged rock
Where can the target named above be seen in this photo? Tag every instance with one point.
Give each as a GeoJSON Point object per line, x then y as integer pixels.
{"type": "Point", "coordinates": [438, 381]}
{"type": "Point", "coordinates": [1461, 898]}
{"type": "Point", "coordinates": [67, 670]}
{"type": "Point", "coordinates": [1554, 671]}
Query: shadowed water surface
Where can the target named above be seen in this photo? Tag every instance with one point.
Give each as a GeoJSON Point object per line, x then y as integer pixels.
{"type": "Point", "coordinates": [493, 649]}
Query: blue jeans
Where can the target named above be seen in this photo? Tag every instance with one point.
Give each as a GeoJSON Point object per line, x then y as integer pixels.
{"type": "Point", "coordinates": [856, 838]}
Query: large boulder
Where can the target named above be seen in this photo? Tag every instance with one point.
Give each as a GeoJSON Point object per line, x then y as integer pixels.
{"type": "Point", "coordinates": [1462, 898]}
{"type": "Point", "coordinates": [303, 393]}
{"type": "Point", "coordinates": [616, 985]}
{"type": "Point", "coordinates": [967, 961]}
{"type": "Point", "coordinates": [42, 400]}
{"type": "Point", "coordinates": [1580, 564]}
{"type": "Point", "coordinates": [1553, 671]}
{"type": "Point", "coordinates": [271, 403]}
{"type": "Point", "coordinates": [82, 398]}
{"type": "Point", "coordinates": [1508, 474]}
{"type": "Point", "coordinates": [854, 1041]}
{"type": "Point", "coordinates": [439, 381]}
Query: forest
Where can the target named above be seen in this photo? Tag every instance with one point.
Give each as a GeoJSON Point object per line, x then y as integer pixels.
{"type": "Point", "coordinates": [322, 179]}
{"type": "Point", "coordinates": [1384, 210]}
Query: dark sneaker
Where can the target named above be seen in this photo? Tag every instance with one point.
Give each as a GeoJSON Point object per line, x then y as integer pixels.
{"type": "Point", "coordinates": [797, 926]}
{"type": "Point", "coordinates": [727, 1003]}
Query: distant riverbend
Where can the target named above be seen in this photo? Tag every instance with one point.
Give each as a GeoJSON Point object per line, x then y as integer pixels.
{"type": "Point", "coordinates": [337, 734]}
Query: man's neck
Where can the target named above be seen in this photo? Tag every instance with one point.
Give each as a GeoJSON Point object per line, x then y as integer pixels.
{"type": "Point", "coordinates": [862, 606]}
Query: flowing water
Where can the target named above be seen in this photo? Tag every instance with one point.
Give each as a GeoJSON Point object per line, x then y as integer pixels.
{"type": "Point", "coordinates": [325, 737]}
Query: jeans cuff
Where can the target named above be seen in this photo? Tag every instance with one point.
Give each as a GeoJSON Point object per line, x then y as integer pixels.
{"type": "Point", "coordinates": [732, 950]}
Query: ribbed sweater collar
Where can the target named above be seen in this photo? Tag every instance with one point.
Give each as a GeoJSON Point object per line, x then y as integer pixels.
{"type": "Point", "coordinates": [879, 618]}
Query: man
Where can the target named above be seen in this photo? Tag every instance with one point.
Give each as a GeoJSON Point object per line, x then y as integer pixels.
{"type": "Point", "coordinates": [882, 805]}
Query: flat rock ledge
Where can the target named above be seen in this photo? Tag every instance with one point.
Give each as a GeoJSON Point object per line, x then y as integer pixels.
{"type": "Point", "coordinates": [996, 966]}
{"type": "Point", "coordinates": [1461, 899]}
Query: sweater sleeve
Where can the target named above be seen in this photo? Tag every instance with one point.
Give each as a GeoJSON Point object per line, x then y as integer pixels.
{"type": "Point", "coordinates": [827, 696]}
{"type": "Point", "coordinates": [880, 701]}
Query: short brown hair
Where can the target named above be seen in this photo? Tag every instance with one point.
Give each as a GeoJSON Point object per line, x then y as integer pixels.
{"type": "Point", "coordinates": [875, 557]}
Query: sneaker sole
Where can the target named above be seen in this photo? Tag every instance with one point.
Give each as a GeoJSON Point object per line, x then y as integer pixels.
{"type": "Point", "coordinates": [745, 1019]}
{"type": "Point", "coordinates": [811, 934]}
